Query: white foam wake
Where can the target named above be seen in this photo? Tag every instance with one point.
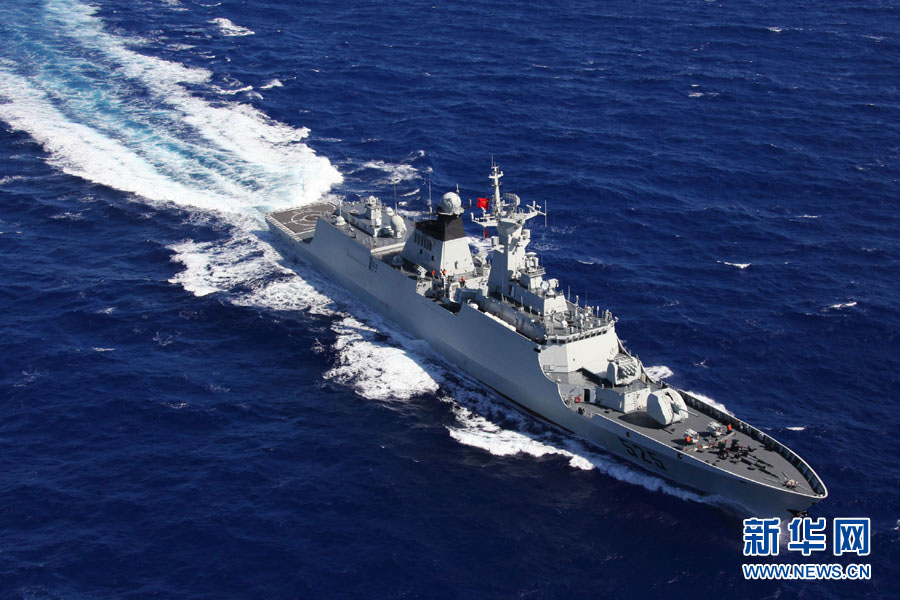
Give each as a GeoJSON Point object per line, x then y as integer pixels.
{"type": "Point", "coordinates": [246, 270]}
{"type": "Point", "coordinates": [178, 149]}
{"type": "Point", "coordinates": [737, 265]}
{"type": "Point", "coordinates": [396, 172]}
{"type": "Point", "coordinates": [711, 402]}
{"type": "Point", "coordinates": [230, 29]}
{"type": "Point", "coordinates": [473, 429]}
{"type": "Point", "coordinates": [659, 372]}
{"type": "Point", "coordinates": [378, 370]}
{"type": "Point", "coordinates": [842, 305]}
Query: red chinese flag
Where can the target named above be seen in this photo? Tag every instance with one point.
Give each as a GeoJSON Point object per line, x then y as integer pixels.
{"type": "Point", "coordinates": [483, 203]}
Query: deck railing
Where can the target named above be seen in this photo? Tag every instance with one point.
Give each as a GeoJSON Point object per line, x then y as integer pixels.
{"type": "Point", "coordinates": [766, 440]}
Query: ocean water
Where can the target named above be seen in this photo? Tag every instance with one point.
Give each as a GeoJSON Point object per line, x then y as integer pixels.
{"type": "Point", "coordinates": [185, 414]}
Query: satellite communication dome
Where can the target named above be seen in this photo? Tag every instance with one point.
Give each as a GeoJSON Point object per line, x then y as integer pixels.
{"type": "Point", "coordinates": [398, 225]}
{"type": "Point", "coordinates": [451, 204]}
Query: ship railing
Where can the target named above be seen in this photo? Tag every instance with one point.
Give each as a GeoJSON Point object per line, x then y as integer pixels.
{"type": "Point", "coordinates": [563, 338]}
{"type": "Point", "coordinates": [766, 440]}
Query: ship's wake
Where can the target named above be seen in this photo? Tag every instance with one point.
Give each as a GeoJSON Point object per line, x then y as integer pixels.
{"type": "Point", "coordinates": [113, 116]}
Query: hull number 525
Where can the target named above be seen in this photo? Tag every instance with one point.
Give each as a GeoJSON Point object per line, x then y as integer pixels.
{"type": "Point", "coordinates": [645, 455]}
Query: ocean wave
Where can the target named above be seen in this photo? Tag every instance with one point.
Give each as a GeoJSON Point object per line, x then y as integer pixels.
{"type": "Point", "coordinates": [246, 88]}
{"type": "Point", "coordinates": [659, 372]}
{"type": "Point", "coordinates": [376, 370]}
{"type": "Point", "coordinates": [710, 401]}
{"type": "Point", "coordinates": [230, 29]}
{"type": "Point", "coordinates": [68, 216]}
{"type": "Point", "coordinates": [396, 172]}
{"type": "Point", "coordinates": [741, 266]}
{"type": "Point", "coordinates": [841, 305]}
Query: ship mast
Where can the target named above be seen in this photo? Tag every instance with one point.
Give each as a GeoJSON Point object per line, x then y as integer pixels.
{"type": "Point", "coordinates": [495, 176]}
{"type": "Point", "coordinates": [509, 218]}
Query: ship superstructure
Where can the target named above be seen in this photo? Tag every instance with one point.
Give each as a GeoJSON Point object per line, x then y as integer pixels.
{"type": "Point", "coordinates": [497, 316]}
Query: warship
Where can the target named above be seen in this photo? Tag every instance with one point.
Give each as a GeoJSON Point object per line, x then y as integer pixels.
{"type": "Point", "coordinates": [496, 315]}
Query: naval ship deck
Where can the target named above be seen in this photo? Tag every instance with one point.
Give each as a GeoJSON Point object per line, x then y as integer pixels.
{"type": "Point", "coordinates": [301, 224]}
{"type": "Point", "coordinates": [748, 452]}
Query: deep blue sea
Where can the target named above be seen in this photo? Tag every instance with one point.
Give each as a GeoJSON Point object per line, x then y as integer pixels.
{"type": "Point", "coordinates": [184, 414]}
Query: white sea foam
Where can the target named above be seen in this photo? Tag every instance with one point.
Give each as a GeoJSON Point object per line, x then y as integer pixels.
{"type": "Point", "coordinates": [246, 88]}
{"type": "Point", "coordinates": [396, 172]}
{"type": "Point", "coordinates": [377, 370]}
{"type": "Point", "coordinates": [796, 428]}
{"type": "Point", "coordinates": [68, 216]}
{"type": "Point", "coordinates": [659, 372]}
{"type": "Point", "coordinates": [230, 29]}
{"type": "Point", "coordinates": [475, 430]}
{"type": "Point", "coordinates": [711, 402]}
{"type": "Point", "coordinates": [247, 271]}
{"type": "Point", "coordinates": [274, 83]}
{"type": "Point", "coordinates": [741, 266]}
{"type": "Point", "coordinates": [841, 305]}
{"type": "Point", "coordinates": [224, 158]}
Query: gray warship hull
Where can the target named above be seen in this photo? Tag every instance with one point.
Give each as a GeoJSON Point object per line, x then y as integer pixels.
{"type": "Point", "coordinates": [494, 351]}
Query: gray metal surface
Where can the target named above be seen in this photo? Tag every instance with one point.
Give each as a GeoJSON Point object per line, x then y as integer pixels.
{"type": "Point", "coordinates": [507, 325]}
